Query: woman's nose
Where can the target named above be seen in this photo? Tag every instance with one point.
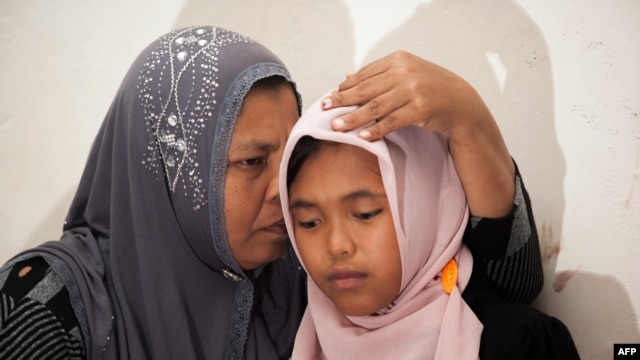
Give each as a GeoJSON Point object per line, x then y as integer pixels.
{"type": "Point", "coordinates": [273, 191]}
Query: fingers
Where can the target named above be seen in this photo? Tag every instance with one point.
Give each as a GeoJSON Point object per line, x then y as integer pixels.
{"type": "Point", "coordinates": [374, 80]}
{"type": "Point", "coordinates": [398, 90]}
{"type": "Point", "coordinates": [384, 114]}
{"type": "Point", "coordinates": [362, 92]}
{"type": "Point", "coordinates": [361, 86]}
{"type": "Point", "coordinates": [393, 121]}
{"type": "Point", "coordinates": [369, 71]}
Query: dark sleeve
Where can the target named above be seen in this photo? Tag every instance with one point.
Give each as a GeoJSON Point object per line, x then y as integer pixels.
{"type": "Point", "coordinates": [517, 331]}
{"type": "Point", "coordinates": [509, 250]}
{"type": "Point", "coordinates": [36, 317]}
{"type": "Point", "coordinates": [512, 330]}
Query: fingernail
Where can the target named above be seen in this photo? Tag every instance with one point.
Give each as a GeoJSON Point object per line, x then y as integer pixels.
{"type": "Point", "coordinates": [338, 124]}
{"type": "Point", "coordinates": [326, 103]}
{"type": "Point", "coordinates": [365, 134]}
{"type": "Point", "coordinates": [335, 90]}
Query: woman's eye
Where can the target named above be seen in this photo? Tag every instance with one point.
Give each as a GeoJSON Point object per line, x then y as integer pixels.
{"type": "Point", "coordinates": [368, 215]}
{"type": "Point", "coordinates": [252, 162]}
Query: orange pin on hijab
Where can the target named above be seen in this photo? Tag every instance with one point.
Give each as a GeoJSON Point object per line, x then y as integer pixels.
{"type": "Point", "coordinates": [449, 276]}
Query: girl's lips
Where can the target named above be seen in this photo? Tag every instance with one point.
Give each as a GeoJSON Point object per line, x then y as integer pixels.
{"type": "Point", "coordinates": [346, 279]}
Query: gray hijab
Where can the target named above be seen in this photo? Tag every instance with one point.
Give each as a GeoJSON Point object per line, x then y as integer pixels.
{"type": "Point", "coordinates": [144, 251]}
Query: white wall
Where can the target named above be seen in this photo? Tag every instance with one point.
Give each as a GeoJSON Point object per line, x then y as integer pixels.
{"type": "Point", "coordinates": [562, 78]}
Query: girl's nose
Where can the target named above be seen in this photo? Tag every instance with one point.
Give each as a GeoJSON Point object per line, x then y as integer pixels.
{"type": "Point", "coordinates": [339, 242]}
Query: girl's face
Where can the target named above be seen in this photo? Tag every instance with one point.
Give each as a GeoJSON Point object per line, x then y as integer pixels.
{"type": "Point", "coordinates": [344, 229]}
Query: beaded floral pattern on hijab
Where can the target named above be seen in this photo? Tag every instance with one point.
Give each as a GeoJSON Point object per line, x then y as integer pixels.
{"type": "Point", "coordinates": [176, 122]}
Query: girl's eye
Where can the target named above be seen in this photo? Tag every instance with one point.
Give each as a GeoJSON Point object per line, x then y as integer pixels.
{"type": "Point", "coordinates": [368, 215]}
{"type": "Point", "coordinates": [308, 224]}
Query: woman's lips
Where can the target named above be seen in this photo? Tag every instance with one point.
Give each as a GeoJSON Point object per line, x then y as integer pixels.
{"type": "Point", "coordinates": [277, 228]}
{"type": "Point", "coordinates": [346, 279]}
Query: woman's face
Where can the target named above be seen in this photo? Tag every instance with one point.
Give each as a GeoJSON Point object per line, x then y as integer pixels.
{"type": "Point", "coordinates": [344, 229]}
{"type": "Point", "coordinates": [254, 221]}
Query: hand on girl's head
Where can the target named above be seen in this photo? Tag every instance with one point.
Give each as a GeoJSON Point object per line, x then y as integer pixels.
{"type": "Point", "coordinates": [402, 89]}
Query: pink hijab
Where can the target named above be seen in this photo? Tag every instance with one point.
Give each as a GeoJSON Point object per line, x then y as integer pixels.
{"type": "Point", "coordinates": [430, 214]}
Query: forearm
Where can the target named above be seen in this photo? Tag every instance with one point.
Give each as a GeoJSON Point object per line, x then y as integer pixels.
{"type": "Point", "coordinates": [484, 164]}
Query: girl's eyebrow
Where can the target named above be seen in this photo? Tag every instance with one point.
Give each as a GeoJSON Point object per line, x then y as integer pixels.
{"type": "Point", "coordinates": [358, 194]}
{"type": "Point", "coordinates": [352, 196]}
{"type": "Point", "coordinates": [299, 203]}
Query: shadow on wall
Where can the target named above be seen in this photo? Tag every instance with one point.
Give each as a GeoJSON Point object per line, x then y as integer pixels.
{"type": "Point", "coordinates": [596, 308]}
{"type": "Point", "coordinates": [503, 54]}
{"type": "Point", "coordinates": [303, 33]}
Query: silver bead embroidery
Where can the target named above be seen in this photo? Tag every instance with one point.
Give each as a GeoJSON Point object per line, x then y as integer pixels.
{"type": "Point", "coordinates": [173, 120]}
{"type": "Point", "coordinates": [182, 56]}
{"type": "Point", "coordinates": [104, 346]}
{"type": "Point", "coordinates": [180, 145]}
{"type": "Point", "coordinates": [229, 274]}
{"type": "Point", "coordinates": [176, 124]}
{"type": "Point", "coordinates": [170, 162]}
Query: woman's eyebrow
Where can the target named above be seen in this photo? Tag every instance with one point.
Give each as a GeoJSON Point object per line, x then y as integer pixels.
{"type": "Point", "coordinates": [256, 144]}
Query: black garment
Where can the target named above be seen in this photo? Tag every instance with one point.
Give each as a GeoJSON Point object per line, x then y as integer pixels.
{"type": "Point", "coordinates": [36, 317]}
{"type": "Point", "coordinates": [38, 322]}
{"type": "Point", "coordinates": [515, 331]}
{"type": "Point", "coordinates": [509, 250]}
{"type": "Point", "coordinates": [507, 275]}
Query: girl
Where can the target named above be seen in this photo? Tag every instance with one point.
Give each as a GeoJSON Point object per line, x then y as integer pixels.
{"type": "Point", "coordinates": [379, 228]}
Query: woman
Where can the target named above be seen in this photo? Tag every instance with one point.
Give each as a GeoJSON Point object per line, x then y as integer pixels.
{"type": "Point", "coordinates": [174, 245]}
{"type": "Point", "coordinates": [145, 253]}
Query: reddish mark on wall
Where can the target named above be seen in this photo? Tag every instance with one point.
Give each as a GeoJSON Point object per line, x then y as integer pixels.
{"type": "Point", "coordinates": [550, 249]}
{"type": "Point", "coordinates": [562, 278]}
